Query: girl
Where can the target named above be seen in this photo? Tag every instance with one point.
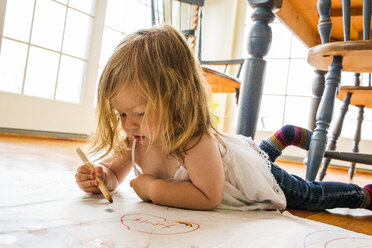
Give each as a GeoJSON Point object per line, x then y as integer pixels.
{"type": "Point", "coordinates": [153, 88]}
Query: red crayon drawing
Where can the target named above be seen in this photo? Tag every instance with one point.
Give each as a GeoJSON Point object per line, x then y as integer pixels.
{"type": "Point", "coordinates": [152, 224]}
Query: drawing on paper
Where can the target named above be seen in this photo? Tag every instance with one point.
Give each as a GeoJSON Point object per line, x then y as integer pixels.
{"type": "Point", "coordinates": [152, 224]}
{"type": "Point", "coordinates": [336, 238]}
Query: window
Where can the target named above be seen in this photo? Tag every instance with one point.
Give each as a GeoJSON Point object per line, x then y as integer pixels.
{"type": "Point", "coordinates": [51, 56]}
{"type": "Point", "coordinates": [45, 48]}
{"type": "Point", "coordinates": [122, 18]}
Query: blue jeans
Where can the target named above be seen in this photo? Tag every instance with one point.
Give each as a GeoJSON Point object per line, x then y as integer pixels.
{"type": "Point", "coordinates": [302, 194]}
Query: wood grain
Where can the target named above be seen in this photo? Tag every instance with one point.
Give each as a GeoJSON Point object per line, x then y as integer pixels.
{"type": "Point", "coordinates": [361, 95]}
{"type": "Point", "coordinates": [302, 18]}
{"type": "Point", "coordinates": [220, 82]}
{"type": "Point", "coordinates": [357, 55]}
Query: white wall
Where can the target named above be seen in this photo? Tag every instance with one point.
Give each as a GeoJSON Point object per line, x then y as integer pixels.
{"type": "Point", "coordinates": [223, 29]}
{"type": "Point", "coordinates": [223, 35]}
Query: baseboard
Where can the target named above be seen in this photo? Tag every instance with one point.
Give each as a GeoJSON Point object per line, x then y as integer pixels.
{"type": "Point", "coordinates": [43, 134]}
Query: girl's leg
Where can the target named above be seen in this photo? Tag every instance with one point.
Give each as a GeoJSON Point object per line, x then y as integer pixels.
{"type": "Point", "coordinates": [287, 135]}
{"type": "Point", "coordinates": [368, 190]}
{"type": "Point", "coordinates": [302, 194]}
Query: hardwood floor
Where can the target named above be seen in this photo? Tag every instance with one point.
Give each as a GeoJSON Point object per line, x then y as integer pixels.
{"type": "Point", "coordinates": [35, 153]}
{"type": "Point", "coordinates": [358, 220]}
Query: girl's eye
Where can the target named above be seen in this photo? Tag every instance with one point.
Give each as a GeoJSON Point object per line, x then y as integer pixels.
{"type": "Point", "coordinates": [123, 115]}
{"type": "Point", "coordinates": [141, 114]}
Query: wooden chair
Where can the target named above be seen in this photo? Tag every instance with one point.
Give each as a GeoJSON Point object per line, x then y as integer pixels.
{"type": "Point", "coordinates": [222, 82]}
{"type": "Point", "coordinates": [188, 19]}
{"type": "Point", "coordinates": [360, 96]}
{"type": "Point", "coordinates": [348, 55]}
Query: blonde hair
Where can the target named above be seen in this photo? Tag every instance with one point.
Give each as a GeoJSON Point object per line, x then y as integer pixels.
{"type": "Point", "coordinates": [159, 63]}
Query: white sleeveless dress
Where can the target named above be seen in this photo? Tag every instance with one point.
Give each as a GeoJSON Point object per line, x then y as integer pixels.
{"type": "Point", "coordinates": [249, 183]}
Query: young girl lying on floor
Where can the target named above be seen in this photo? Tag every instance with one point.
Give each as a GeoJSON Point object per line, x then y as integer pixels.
{"type": "Point", "coordinates": [153, 87]}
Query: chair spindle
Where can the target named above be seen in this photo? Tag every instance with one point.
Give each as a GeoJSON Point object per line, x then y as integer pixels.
{"type": "Point", "coordinates": [325, 24]}
{"type": "Point", "coordinates": [366, 19]}
{"type": "Point", "coordinates": [346, 18]}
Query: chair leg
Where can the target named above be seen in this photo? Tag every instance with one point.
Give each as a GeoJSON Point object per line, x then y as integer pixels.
{"type": "Point", "coordinates": [324, 116]}
{"type": "Point", "coordinates": [335, 135]}
{"type": "Point", "coordinates": [357, 139]}
{"type": "Point", "coordinates": [317, 90]}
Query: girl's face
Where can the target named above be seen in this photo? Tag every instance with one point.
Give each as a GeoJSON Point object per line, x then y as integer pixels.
{"type": "Point", "coordinates": [131, 108]}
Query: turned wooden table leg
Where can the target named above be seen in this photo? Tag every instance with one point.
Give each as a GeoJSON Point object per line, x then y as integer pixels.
{"type": "Point", "coordinates": [253, 71]}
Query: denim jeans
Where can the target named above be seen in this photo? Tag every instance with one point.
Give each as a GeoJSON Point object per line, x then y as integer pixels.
{"type": "Point", "coordinates": [308, 195]}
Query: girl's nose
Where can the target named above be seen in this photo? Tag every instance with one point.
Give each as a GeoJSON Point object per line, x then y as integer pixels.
{"type": "Point", "coordinates": [130, 123]}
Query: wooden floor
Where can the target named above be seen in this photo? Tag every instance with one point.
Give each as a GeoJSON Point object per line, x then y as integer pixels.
{"type": "Point", "coordinates": [30, 153]}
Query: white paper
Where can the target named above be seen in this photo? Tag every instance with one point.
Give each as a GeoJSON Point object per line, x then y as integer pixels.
{"type": "Point", "coordinates": [47, 209]}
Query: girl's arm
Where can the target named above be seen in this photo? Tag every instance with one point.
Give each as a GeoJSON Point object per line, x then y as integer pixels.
{"type": "Point", "coordinates": [115, 169]}
{"type": "Point", "coordinates": [112, 170]}
{"type": "Point", "coordinates": [205, 190]}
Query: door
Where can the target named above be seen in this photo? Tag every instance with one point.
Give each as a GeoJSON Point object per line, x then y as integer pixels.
{"type": "Point", "coordinates": [52, 53]}
{"type": "Point", "coordinates": [47, 64]}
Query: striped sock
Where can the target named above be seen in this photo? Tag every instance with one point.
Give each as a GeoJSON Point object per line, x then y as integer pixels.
{"type": "Point", "coordinates": [291, 135]}
{"type": "Point", "coordinates": [368, 202]}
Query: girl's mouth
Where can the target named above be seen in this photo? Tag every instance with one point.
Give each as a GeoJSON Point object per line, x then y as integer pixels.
{"type": "Point", "coordinates": [139, 138]}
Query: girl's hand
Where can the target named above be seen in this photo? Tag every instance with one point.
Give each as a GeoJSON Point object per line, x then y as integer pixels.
{"type": "Point", "coordinates": [85, 178]}
{"type": "Point", "coordinates": [142, 185]}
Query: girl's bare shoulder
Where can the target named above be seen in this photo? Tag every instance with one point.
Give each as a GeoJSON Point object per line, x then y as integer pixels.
{"type": "Point", "coordinates": [204, 140]}
{"type": "Point", "coordinates": [203, 146]}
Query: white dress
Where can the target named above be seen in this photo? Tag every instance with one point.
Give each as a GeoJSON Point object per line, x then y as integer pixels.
{"type": "Point", "coordinates": [249, 183]}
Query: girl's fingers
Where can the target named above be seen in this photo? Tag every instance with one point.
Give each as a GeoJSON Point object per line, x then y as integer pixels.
{"type": "Point", "coordinates": [132, 182]}
{"type": "Point", "coordinates": [80, 177]}
{"type": "Point", "coordinates": [99, 171]}
{"type": "Point", "coordinates": [84, 169]}
{"type": "Point", "coordinates": [85, 178]}
{"type": "Point", "coordinates": [88, 184]}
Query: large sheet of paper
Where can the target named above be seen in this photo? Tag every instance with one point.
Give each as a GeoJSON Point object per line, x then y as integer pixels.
{"type": "Point", "coordinates": [46, 209]}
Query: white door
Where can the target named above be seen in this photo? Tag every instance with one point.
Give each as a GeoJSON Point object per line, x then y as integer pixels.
{"type": "Point", "coordinates": [51, 55]}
